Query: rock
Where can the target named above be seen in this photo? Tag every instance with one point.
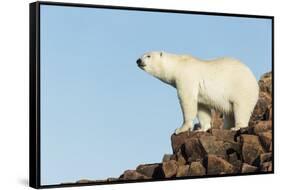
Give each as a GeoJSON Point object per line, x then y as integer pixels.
{"type": "Point", "coordinates": [167, 157]}
{"type": "Point", "coordinates": [234, 160]}
{"type": "Point", "coordinates": [264, 101]}
{"type": "Point", "coordinates": [112, 179]}
{"type": "Point", "coordinates": [216, 165]}
{"type": "Point", "coordinates": [266, 139]}
{"type": "Point", "coordinates": [217, 120]}
{"type": "Point", "coordinates": [251, 149]}
{"type": "Point", "coordinates": [251, 139]}
{"type": "Point", "coordinates": [182, 170]}
{"type": "Point", "coordinates": [193, 150]}
{"type": "Point", "coordinates": [246, 168]}
{"type": "Point", "coordinates": [219, 151]}
{"type": "Point", "coordinates": [231, 147]}
{"type": "Point", "coordinates": [265, 83]}
{"type": "Point", "coordinates": [84, 181]}
{"type": "Point", "coordinates": [266, 157]}
{"type": "Point", "coordinates": [180, 158]}
{"type": "Point", "coordinates": [212, 146]}
{"type": "Point", "coordinates": [223, 134]}
{"type": "Point", "coordinates": [266, 167]}
{"type": "Point", "coordinates": [150, 170]}
{"type": "Point", "coordinates": [268, 113]}
{"type": "Point", "coordinates": [196, 169]}
{"type": "Point", "coordinates": [262, 126]}
{"type": "Point", "coordinates": [179, 140]}
{"type": "Point", "coordinates": [132, 175]}
{"type": "Point", "coordinates": [169, 168]}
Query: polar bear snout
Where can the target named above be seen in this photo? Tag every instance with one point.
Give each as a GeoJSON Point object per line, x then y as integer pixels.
{"type": "Point", "coordinates": [140, 63]}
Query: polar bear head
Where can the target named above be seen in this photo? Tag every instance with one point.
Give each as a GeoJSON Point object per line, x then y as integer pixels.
{"type": "Point", "coordinates": [158, 64]}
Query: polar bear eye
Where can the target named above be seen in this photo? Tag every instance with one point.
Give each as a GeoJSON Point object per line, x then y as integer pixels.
{"type": "Point", "coordinates": [148, 56]}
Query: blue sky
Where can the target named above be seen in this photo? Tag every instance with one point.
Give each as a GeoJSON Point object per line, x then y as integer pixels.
{"type": "Point", "coordinates": [101, 114]}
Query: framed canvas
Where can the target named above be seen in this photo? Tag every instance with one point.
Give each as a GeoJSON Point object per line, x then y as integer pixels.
{"type": "Point", "coordinates": [131, 94]}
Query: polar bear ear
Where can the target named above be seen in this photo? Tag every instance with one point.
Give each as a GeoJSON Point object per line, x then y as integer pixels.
{"type": "Point", "coordinates": [161, 53]}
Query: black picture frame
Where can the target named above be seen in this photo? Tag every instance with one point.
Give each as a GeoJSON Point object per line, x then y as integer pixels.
{"type": "Point", "coordinates": [34, 90]}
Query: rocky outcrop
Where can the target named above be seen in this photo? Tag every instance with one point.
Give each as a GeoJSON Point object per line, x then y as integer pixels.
{"type": "Point", "coordinates": [219, 151]}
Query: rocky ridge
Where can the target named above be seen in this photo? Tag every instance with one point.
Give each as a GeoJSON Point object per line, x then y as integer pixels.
{"type": "Point", "coordinates": [217, 151]}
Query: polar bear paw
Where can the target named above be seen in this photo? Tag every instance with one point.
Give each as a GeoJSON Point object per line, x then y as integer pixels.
{"type": "Point", "coordinates": [235, 129]}
{"type": "Point", "coordinates": [182, 129]}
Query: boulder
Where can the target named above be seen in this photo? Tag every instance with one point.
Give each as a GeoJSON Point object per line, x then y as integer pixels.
{"type": "Point", "coordinates": [182, 171]}
{"type": "Point", "coordinates": [266, 167]}
{"type": "Point", "coordinates": [212, 146]}
{"type": "Point", "coordinates": [180, 158]}
{"type": "Point", "coordinates": [265, 83]}
{"type": "Point", "coordinates": [169, 168]}
{"type": "Point", "coordinates": [266, 157]}
{"type": "Point", "coordinates": [216, 165]}
{"type": "Point", "coordinates": [223, 134]}
{"type": "Point", "coordinates": [246, 168]}
{"type": "Point", "coordinates": [235, 161]}
{"type": "Point", "coordinates": [217, 120]}
{"type": "Point", "coordinates": [196, 169]}
{"type": "Point", "coordinates": [167, 157]}
{"type": "Point", "coordinates": [193, 150]}
{"type": "Point", "coordinates": [262, 126]}
{"type": "Point", "coordinates": [132, 175]}
{"type": "Point", "coordinates": [266, 139]}
{"type": "Point", "coordinates": [251, 149]}
{"type": "Point", "coordinates": [150, 170]}
{"type": "Point", "coordinates": [179, 140]}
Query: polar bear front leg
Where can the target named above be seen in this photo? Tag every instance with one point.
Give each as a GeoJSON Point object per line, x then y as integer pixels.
{"type": "Point", "coordinates": [188, 102]}
{"type": "Point", "coordinates": [204, 117]}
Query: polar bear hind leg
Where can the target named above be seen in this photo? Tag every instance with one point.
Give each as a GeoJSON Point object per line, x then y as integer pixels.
{"type": "Point", "coordinates": [242, 115]}
{"type": "Point", "coordinates": [204, 117]}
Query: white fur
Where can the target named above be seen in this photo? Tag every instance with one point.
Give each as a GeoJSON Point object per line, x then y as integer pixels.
{"type": "Point", "coordinates": [224, 84]}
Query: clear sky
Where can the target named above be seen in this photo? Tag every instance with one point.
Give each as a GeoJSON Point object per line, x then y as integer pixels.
{"type": "Point", "coordinates": [101, 114]}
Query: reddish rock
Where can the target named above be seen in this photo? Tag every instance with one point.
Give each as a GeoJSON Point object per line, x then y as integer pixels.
{"type": "Point", "coordinates": [231, 147]}
{"type": "Point", "coordinates": [150, 170]}
{"type": "Point", "coordinates": [180, 158]}
{"type": "Point", "coordinates": [262, 126]}
{"type": "Point", "coordinates": [266, 167]}
{"type": "Point", "coordinates": [212, 146]}
{"type": "Point", "coordinates": [167, 157]}
{"type": "Point", "coordinates": [193, 150]}
{"type": "Point", "coordinates": [266, 157]}
{"type": "Point", "coordinates": [196, 169]}
{"type": "Point", "coordinates": [266, 139]}
{"type": "Point", "coordinates": [246, 168]}
{"type": "Point", "coordinates": [179, 140]}
{"type": "Point", "coordinates": [261, 107]}
{"type": "Point", "coordinates": [182, 170]}
{"type": "Point", "coordinates": [251, 149]}
{"type": "Point", "coordinates": [265, 83]}
{"type": "Point", "coordinates": [234, 160]}
{"type": "Point", "coordinates": [132, 175]}
{"type": "Point", "coordinates": [216, 165]}
{"type": "Point", "coordinates": [223, 134]}
{"type": "Point", "coordinates": [169, 168]}
{"type": "Point", "coordinates": [217, 120]}
{"type": "Point", "coordinates": [268, 113]}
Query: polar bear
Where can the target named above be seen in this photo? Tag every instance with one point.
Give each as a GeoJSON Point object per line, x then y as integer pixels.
{"type": "Point", "coordinates": [223, 84]}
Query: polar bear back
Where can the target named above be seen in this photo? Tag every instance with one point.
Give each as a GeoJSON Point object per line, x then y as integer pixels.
{"type": "Point", "coordinates": [225, 81]}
